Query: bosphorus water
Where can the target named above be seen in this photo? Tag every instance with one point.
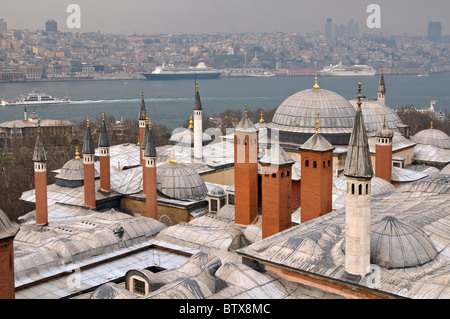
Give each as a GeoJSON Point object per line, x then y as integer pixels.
{"type": "Point", "coordinates": [171, 102]}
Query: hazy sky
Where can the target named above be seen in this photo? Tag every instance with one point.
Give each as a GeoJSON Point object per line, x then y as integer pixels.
{"type": "Point", "coordinates": [213, 16]}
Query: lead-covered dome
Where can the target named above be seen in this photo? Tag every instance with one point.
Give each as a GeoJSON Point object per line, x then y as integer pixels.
{"type": "Point", "coordinates": [432, 137]}
{"type": "Point", "coordinates": [394, 244]}
{"type": "Point", "coordinates": [296, 117]}
{"type": "Point", "coordinates": [72, 174]}
{"type": "Point", "coordinates": [376, 114]}
{"type": "Point", "coordinates": [179, 181]}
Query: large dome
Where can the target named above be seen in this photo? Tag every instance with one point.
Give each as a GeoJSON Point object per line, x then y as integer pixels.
{"type": "Point", "coordinates": [296, 117]}
{"type": "Point", "coordinates": [72, 174]}
{"type": "Point", "coordinates": [374, 114]}
{"type": "Point", "coordinates": [432, 137]}
{"type": "Point", "coordinates": [179, 181]}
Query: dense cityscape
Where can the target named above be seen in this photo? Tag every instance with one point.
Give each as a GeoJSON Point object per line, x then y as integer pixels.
{"type": "Point", "coordinates": [52, 55]}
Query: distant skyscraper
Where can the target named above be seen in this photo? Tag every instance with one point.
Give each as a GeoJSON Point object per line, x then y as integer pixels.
{"type": "Point", "coordinates": [434, 31]}
{"type": "Point", "coordinates": [329, 28]}
{"type": "Point", "coordinates": [3, 26]}
{"type": "Point", "coordinates": [51, 26]}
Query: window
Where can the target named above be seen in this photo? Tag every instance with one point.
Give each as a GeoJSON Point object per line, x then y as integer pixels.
{"type": "Point", "coordinates": [360, 189]}
{"type": "Point", "coordinates": [329, 163]}
{"type": "Point", "coordinates": [324, 165]}
{"type": "Point", "coordinates": [230, 199]}
{"type": "Point", "coordinates": [315, 164]}
{"type": "Point", "coordinates": [353, 189]}
{"type": "Point", "coordinates": [214, 205]}
{"type": "Point", "coordinates": [367, 189]}
{"type": "Point", "coordinates": [307, 163]}
{"type": "Point", "coordinates": [287, 173]}
{"type": "Point", "coordinates": [274, 175]}
{"type": "Point", "coordinates": [138, 287]}
{"type": "Point", "coordinates": [282, 174]}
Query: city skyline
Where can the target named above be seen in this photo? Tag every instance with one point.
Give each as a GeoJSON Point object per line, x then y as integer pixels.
{"type": "Point", "coordinates": [209, 17]}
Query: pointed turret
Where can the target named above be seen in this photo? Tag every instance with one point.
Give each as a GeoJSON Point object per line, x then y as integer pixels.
{"type": "Point", "coordinates": [150, 174]}
{"type": "Point", "coordinates": [89, 172]}
{"type": "Point", "coordinates": [358, 172]}
{"type": "Point", "coordinates": [358, 162]}
{"type": "Point", "coordinates": [40, 180]}
{"type": "Point", "coordinates": [104, 156]}
{"type": "Point", "coordinates": [198, 126]}
{"type": "Point", "coordinates": [382, 90]}
{"type": "Point", "coordinates": [142, 121]}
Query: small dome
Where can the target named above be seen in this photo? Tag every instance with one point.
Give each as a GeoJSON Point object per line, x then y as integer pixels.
{"type": "Point", "coordinates": [186, 136]}
{"type": "Point", "coordinates": [376, 114]}
{"type": "Point", "coordinates": [432, 137]}
{"type": "Point", "coordinates": [217, 191]}
{"type": "Point", "coordinates": [394, 244]}
{"type": "Point", "coordinates": [72, 174]}
{"type": "Point", "coordinates": [178, 181]}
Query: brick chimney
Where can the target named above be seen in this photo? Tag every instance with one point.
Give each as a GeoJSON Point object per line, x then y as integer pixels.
{"type": "Point", "coordinates": [383, 153]}
{"type": "Point", "coordinates": [8, 231]}
{"type": "Point", "coordinates": [88, 166]}
{"type": "Point", "coordinates": [40, 180]}
{"type": "Point", "coordinates": [104, 155]}
{"type": "Point", "coordinates": [245, 171]}
{"type": "Point", "coordinates": [150, 175]}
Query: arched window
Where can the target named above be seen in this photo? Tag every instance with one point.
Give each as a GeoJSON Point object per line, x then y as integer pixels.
{"type": "Point", "coordinates": [274, 175]}
{"type": "Point", "coordinates": [353, 189]}
{"type": "Point", "coordinates": [367, 189]}
{"type": "Point", "coordinates": [287, 173]}
{"type": "Point", "coordinates": [282, 174]}
{"type": "Point", "coordinates": [324, 165]}
{"type": "Point", "coordinates": [315, 164]}
{"type": "Point", "coordinates": [360, 189]}
{"type": "Point", "coordinates": [307, 163]}
{"type": "Point", "coordinates": [329, 163]}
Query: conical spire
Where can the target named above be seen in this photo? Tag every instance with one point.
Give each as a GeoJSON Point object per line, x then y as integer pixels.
{"type": "Point", "coordinates": [198, 102]}
{"type": "Point", "coordinates": [39, 154]}
{"type": "Point", "coordinates": [150, 149]}
{"type": "Point", "coordinates": [142, 111]}
{"type": "Point", "coordinates": [246, 125]}
{"type": "Point", "coordinates": [88, 143]}
{"type": "Point", "coordinates": [358, 163]}
{"type": "Point", "coordinates": [103, 140]}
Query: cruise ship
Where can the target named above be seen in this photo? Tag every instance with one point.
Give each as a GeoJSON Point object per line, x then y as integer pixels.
{"type": "Point", "coordinates": [35, 98]}
{"type": "Point", "coordinates": [169, 72]}
{"type": "Point", "coordinates": [341, 70]}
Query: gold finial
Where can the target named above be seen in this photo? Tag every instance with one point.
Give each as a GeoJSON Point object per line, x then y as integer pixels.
{"type": "Point", "coordinates": [87, 121]}
{"type": "Point", "coordinates": [317, 124]}
{"type": "Point", "coordinates": [197, 86]}
{"type": "Point", "coordinates": [142, 95]}
{"type": "Point", "coordinates": [103, 115]}
{"type": "Point", "coordinates": [172, 159]}
{"type": "Point", "coordinates": [431, 126]}
{"type": "Point", "coordinates": [149, 124]}
{"type": "Point", "coordinates": [190, 123]}
{"type": "Point", "coordinates": [262, 119]}
{"type": "Point", "coordinates": [214, 114]}
{"type": "Point", "coordinates": [316, 86]}
{"type": "Point", "coordinates": [246, 111]}
{"type": "Point", "coordinates": [146, 118]}
{"type": "Point", "coordinates": [39, 125]}
{"type": "Point", "coordinates": [77, 154]}
{"type": "Point", "coordinates": [138, 143]}
{"type": "Point", "coordinates": [118, 166]}
{"type": "Point", "coordinates": [359, 96]}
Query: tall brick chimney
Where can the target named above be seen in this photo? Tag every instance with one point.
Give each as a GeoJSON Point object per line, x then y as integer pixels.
{"type": "Point", "coordinates": [88, 166]}
{"type": "Point", "coordinates": [8, 231]}
{"type": "Point", "coordinates": [150, 175]}
{"type": "Point", "coordinates": [40, 180]}
{"type": "Point", "coordinates": [316, 195]}
{"type": "Point", "coordinates": [104, 154]}
{"type": "Point", "coordinates": [245, 171]}
{"type": "Point", "coordinates": [383, 153]}
{"type": "Point", "coordinates": [276, 184]}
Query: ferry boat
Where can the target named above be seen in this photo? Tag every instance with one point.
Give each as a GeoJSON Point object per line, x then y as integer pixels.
{"type": "Point", "coordinates": [341, 70]}
{"type": "Point", "coordinates": [35, 98]}
{"type": "Point", "coordinates": [170, 72]}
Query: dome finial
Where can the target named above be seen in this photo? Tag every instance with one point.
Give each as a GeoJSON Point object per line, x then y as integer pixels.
{"type": "Point", "coordinates": [246, 111]}
{"type": "Point", "coordinates": [149, 124]}
{"type": "Point", "coordinates": [317, 124]}
{"type": "Point", "coordinates": [359, 96]}
{"type": "Point", "coordinates": [316, 86]}
{"type": "Point", "coordinates": [103, 115]}
{"type": "Point", "coordinates": [87, 121]}
{"type": "Point", "coordinates": [172, 159]}
{"type": "Point", "coordinates": [196, 86]}
{"type": "Point", "coordinates": [431, 126]}
{"type": "Point", "coordinates": [262, 119]}
{"type": "Point", "coordinates": [77, 154]}
{"type": "Point", "coordinates": [190, 123]}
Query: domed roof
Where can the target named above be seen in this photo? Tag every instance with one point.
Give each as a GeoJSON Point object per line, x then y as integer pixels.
{"type": "Point", "coordinates": [375, 114]}
{"type": "Point", "coordinates": [432, 137]}
{"type": "Point", "coordinates": [178, 181]}
{"type": "Point", "coordinates": [186, 136]}
{"type": "Point", "coordinates": [72, 173]}
{"type": "Point", "coordinates": [298, 113]}
{"type": "Point", "coordinates": [217, 191]}
{"type": "Point", "coordinates": [394, 244]}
